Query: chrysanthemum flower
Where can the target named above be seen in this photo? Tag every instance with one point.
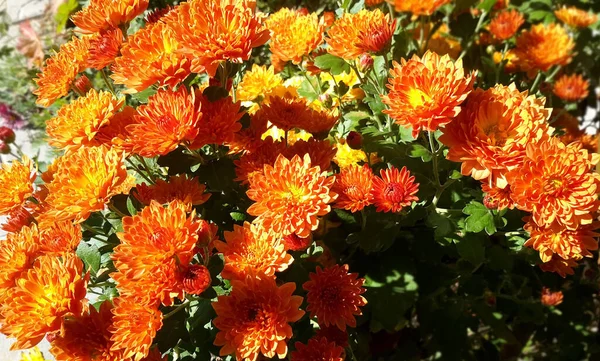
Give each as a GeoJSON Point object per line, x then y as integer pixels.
{"type": "Point", "coordinates": [588, 142]}
{"type": "Point", "coordinates": [510, 58]}
{"type": "Point", "coordinates": [575, 17]}
{"type": "Point", "coordinates": [346, 156]}
{"type": "Point", "coordinates": [559, 265]}
{"type": "Point", "coordinates": [156, 245]}
{"type": "Point", "coordinates": [364, 32]}
{"type": "Point", "coordinates": [33, 354]}
{"type": "Point", "coordinates": [150, 56]}
{"type": "Point", "coordinates": [496, 197]}
{"type": "Point", "coordinates": [16, 184]}
{"type": "Point", "coordinates": [251, 250]}
{"type": "Point", "coordinates": [550, 298]}
{"type": "Point", "coordinates": [286, 112]}
{"type": "Point", "coordinates": [219, 122]}
{"type": "Point", "coordinates": [104, 48]}
{"type": "Point", "coordinates": [394, 190]}
{"type": "Point", "coordinates": [490, 134]}
{"type": "Point", "coordinates": [571, 87]}
{"type": "Point", "coordinates": [188, 191]}
{"type": "Point", "coordinates": [77, 123]}
{"type": "Point", "coordinates": [258, 82]}
{"type": "Point", "coordinates": [333, 334]}
{"type": "Point", "coordinates": [321, 152]}
{"type": "Point", "coordinates": [17, 254]}
{"type": "Point", "coordinates": [353, 185]}
{"type": "Point", "coordinates": [418, 7]}
{"type": "Point", "coordinates": [294, 35]}
{"type": "Point", "coordinates": [543, 46]}
{"type": "Point", "coordinates": [196, 279]}
{"type": "Point", "coordinates": [212, 31]}
{"type": "Point", "coordinates": [51, 290]}
{"type": "Point", "coordinates": [58, 74]}
{"type": "Point", "coordinates": [254, 318]}
{"type": "Point", "coordinates": [253, 163]}
{"type": "Point", "coordinates": [317, 349]}
{"type": "Point", "coordinates": [427, 92]}
{"type": "Point", "coordinates": [105, 14]}
{"type": "Point", "coordinates": [60, 238]}
{"type": "Point", "coordinates": [115, 134]}
{"type": "Point", "coordinates": [334, 296]}
{"type": "Point", "coordinates": [290, 195]}
{"type": "Point", "coordinates": [82, 85]}
{"type": "Point", "coordinates": [17, 219]}
{"type": "Point", "coordinates": [568, 244]}
{"type": "Point", "coordinates": [169, 119]}
{"type": "Point", "coordinates": [505, 24]}
{"type": "Point", "coordinates": [554, 183]}
{"type": "Point", "coordinates": [294, 243]}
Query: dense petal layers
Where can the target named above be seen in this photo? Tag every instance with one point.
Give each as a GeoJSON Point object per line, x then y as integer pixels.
{"type": "Point", "coordinates": [105, 14]}
{"type": "Point", "coordinates": [353, 185]}
{"type": "Point", "coordinates": [394, 190]}
{"type": "Point", "coordinates": [16, 184]}
{"type": "Point", "coordinates": [543, 46]}
{"type": "Point", "coordinates": [294, 35]}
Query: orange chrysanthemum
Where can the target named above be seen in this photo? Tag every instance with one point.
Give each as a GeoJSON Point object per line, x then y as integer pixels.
{"type": "Point", "coordinates": [334, 296]}
{"type": "Point", "coordinates": [57, 76]}
{"type": "Point", "coordinates": [258, 82]}
{"type": "Point", "coordinates": [196, 279]}
{"type": "Point", "coordinates": [17, 254]}
{"type": "Point", "coordinates": [496, 197]}
{"type": "Point", "coordinates": [321, 152]}
{"type": "Point", "coordinates": [317, 349]}
{"type": "Point", "coordinates": [219, 123]}
{"type": "Point", "coordinates": [353, 185]}
{"type": "Point", "coordinates": [51, 290]}
{"type": "Point", "coordinates": [253, 163]}
{"type": "Point", "coordinates": [571, 87]}
{"type": "Point", "coordinates": [418, 7]}
{"type": "Point", "coordinates": [543, 46]}
{"type": "Point", "coordinates": [559, 265]}
{"type": "Point", "coordinates": [17, 219]}
{"type": "Point", "coordinates": [254, 318]}
{"type": "Point", "coordinates": [427, 92]}
{"type": "Point", "coordinates": [115, 134]}
{"type": "Point", "coordinates": [505, 24]}
{"type": "Point", "coordinates": [294, 35]}
{"type": "Point", "coordinates": [575, 17]}
{"type": "Point", "coordinates": [16, 184]}
{"type": "Point", "coordinates": [568, 244]}
{"type": "Point", "coordinates": [363, 32]}
{"type": "Point", "coordinates": [251, 250]}
{"type": "Point", "coordinates": [588, 142]}
{"type": "Point", "coordinates": [104, 48]}
{"type": "Point", "coordinates": [212, 31]}
{"type": "Point", "coordinates": [290, 195]}
{"type": "Point", "coordinates": [77, 123]}
{"type": "Point", "coordinates": [490, 134]}
{"type": "Point", "coordinates": [394, 190]}
{"type": "Point", "coordinates": [294, 243]}
{"type": "Point", "coordinates": [148, 57]}
{"type": "Point", "coordinates": [134, 326]}
{"type": "Point", "coordinates": [60, 238]}
{"type": "Point", "coordinates": [188, 191]}
{"type": "Point", "coordinates": [550, 298]}
{"type": "Point", "coordinates": [170, 118]}
{"type": "Point", "coordinates": [106, 14]}
{"type": "Point", "coordinates": [554, 183]}
{"type": "Point", "coordinates": [156, 245]}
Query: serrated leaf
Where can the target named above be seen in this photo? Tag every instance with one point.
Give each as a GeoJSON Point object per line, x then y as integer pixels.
{"type": "Point", "coordinates": [332, 63]}
{"type": "Point", "coordinates": [479, 218]}
{"type": "Point", "coordinates": [419, 151]}
{"type": "Point", "coordinates": [90, 255]}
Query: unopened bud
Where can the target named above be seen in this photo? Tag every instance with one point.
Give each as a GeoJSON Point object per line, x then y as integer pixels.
{"type": "Point", "coordinates": [365, 63]}
{"type": "Point", "coordinates": [7, 135]}
{"type": "Point", "coordinates": [328, 18]}
{"type": "Point", "coordinates": [82, 84]}
{"type": "Point", "coordinates": [4, 148]}
{"type": "Point", "coordinates": [354, 140]}
{"type": "Point", "coordinates": [196, 279]}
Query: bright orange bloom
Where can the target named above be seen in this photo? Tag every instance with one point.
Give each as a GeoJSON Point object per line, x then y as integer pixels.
{"type": "Point", "coordinates": [60, 238]}
{"type": "Point", "coordinates": [219, 122]}
{"type": "Point", "coordinates": [334, 296]}
{"type": "Point", "coordinates": [17, 219]}
{"type": "Point", "coordinates": [554, 183]}
{"type": "Point", "coordinates": [106, 14]}
{"type": "Point", "coordinates": [394, 190]}
{"type": "Point", "coordinates": [115, 134]}
{"type": "Point", "coordinates": [321, 152]}
{"type": "Point", "coordinates": [290, 195]}
{"type": "Point", "coordinates": [77, 123]}
{"type": "Point", "coordinates": [149, 56]}
{"type": "Point", "coordinates": [251, 250]}
{"type": "Point", "coordinates": [254, 318]}
{"type": "Point", "coordinates": [427, 92]}
{"type": "Point", "coordinates": [51, 290]}
{"type": "Point", "coordinates": [156, 245]}
{"type": "Point", "coordinates": [169, 119]}
{"type": "Point", "coordinates": [354, 34]}
{"type": "Point", "coordinates": [490, 134]}
{"type": "Point", "coordinates": [212, 31]}
{"type": "Point", "coordinates": [196, 279]}
{"type": "Point", "coordinates": [571, 87]}
{"type": "Point", "coordinates": [496, 197]}
{"type": "Point", "coordinates": [353, 185]}
{"type": "Point", "coordinates": [104, 48]}
{"type": "Point", "coordinates": [558, 265]}
{"type": "Point", "coordinates": [550, 298]}
{"type": "Point", "coordinates": [253, 163]}
{"type": "Point", "coordinates": [57, 76]}
{"type": "Point", "coordinates": [17, 254]}
{"type": "Point", "coordinates": [134, 326]}
{"type": "Point", "coordinates": [294, 243]}
{"type": "Point", "coordinates": [588, 142]}
{"type": "Point", "coordinates": [568, 244]}
{"type": "Point", "coordinates": [510, 58]}
{"type": "Point", "coordinates": [294, 35]}
{"type": "Point", "coordinates": [418, 7]}
{"type": "Point", "coordinates": [543, 46]}
{"type": "Point", "coordinates": [317, 349]}
{"type": "Point", "coordinates": [16, 184]}
{"type": "Point", "coordinates": [187, 190]}
{"type": "Point", "coordinates": [258, 83]}
{"type": "Point", "coordinates": [505, 24]}
{"type": "Point", "coordinates": [575, 17]}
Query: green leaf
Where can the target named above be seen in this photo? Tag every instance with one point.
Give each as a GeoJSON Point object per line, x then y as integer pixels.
{"type": "Point", "coordinates": [307, 91]}
{"type": "Point", "coordinates": [238, 216]}
{"type": "Point", "coordinates": [332, 63]}
{"type": "Point", "coordinates": [419, 151]}
{"type": "Point", "coordinates": [132, 205]}
{"type": "Point", "coordinates": [487, 5]}
{"type": "Point", "coordinates": [63, 13]}
{"type": "Point", "coordinates": [90, 255]}
{"type": "Point", "coordinates": [472, 249]}
{"type": "Point", "coordinates": [479, 218]}
{"type": "Point", "coordinates": [142, 97]}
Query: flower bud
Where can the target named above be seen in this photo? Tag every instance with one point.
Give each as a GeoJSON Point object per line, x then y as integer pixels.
{"type": "Point", "coordinates": [365, 63]}
{"type": "Point", "coordinates": [354, 140]}
{"type": "Point", "coordinates": [4, 148]}
{"type": "Point", "coordinates": [7, 135]}
{"type": "Point", "coordinates": [196, 279]}
{"type": "Point", "coordinates": [82, 84]}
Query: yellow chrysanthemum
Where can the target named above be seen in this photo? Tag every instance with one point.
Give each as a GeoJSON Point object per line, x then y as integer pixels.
{"type": "Point", "coordinates": [258, 82]}
{"type": "Point", "coordinates": [575, 17]}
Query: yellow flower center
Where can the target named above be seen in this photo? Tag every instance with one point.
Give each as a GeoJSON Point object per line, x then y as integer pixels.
{"type": "Point", "coordinates": [417, 98]}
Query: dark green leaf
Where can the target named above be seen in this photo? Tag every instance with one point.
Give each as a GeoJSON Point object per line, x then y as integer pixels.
{"type": "Point", "coordinates": [472, 249]}
{"type": "Point", "coordinates": [90, 255]}
{"type": "Point", "coordinates": [487, 5]}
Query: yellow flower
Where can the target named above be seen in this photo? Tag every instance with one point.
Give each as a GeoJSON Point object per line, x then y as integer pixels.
{"type": "Point", "coordinates": [258, 82]}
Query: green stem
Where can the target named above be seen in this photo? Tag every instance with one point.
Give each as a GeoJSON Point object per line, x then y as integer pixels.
{"type": "Point", "coordinates": [118, 212]}
{"type": "Point", "coordinates": [553, 74]}
{"type": "Point", "coordinates": [434, 156]}
{"type": "Point", "coordinates": [177, 309]}
{"type": "Point", "coordinates": [311, 84]}
{"type": "Point", "coordinates": [108, 82]}
{"type": "Point", "coordinates": [472, 38]}
{"type": "Point", "coordinates": [138, 171]}
{"type": "Point", "coordinates": [501, 63]}
{"type": "Point", "coordinates": [536, 83]}
{"type": "Point", "coordinates": [146, 167]}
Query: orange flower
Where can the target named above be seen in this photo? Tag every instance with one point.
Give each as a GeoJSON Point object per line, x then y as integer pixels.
{"type": "Point", "coordinates": [156, 245]}
{"type": "Point", "coordinates": [505, 24]}
{"type": "Point", "coordinates": [115, 134]}
{"type": "Point", "coordinates": [212, 31]}
{"type": "Point", "coordinates": [251, 250]}
{"type": "Point", "coordinates": [219, 122]}
{"type": "Point", "coordinates": [104, 48]}
{"type": "Point", "coordinates": [196, 279]}
{"type": "Point", "coordinates": [60, 238]}
{"type": "Point", "coordinates": [543, 46]}
{"type": "Point", "coordinates": [575, 17]}
{"type": "Point", "coordinates": [496, 197]}
{"type": "Point", "coordinates": [51, 290]}
{"type": "Point", "coordinates": [427, 92]}
{"type": "Point", "coordinates": [106, 14]}
{"type": "Point", "coordinates": [321, 152]}
{"type": "Point", "coordinates": [57, 76]}
{"type": "Point", "coordinates": [253, 163]}
{"type": "Point", "coordinates": [294, 35]}
{"type": "Point", "coordinates": [149, 56]}
{"type": "Point", "coordinates": [418, 7]}
{"type": "Point", "coordinates": [568, 244]}
{"type": "Point", "coordinates": [550, 298]}
{"type": "Point", "coordinates": [157, 14]}
{"type": "Point", "coordinates": [17, 254]}
{"type": "Point", "coordinates": [510, 58]}
{"type": "Point", "coordinates": [394, 190]}
{"type": "Point", "coordinates": [571, 87]}
{"type": "Point", "coordinates": [169, 119]}
{"type": "Point", "coordinates": [134, 326]}
{"type": "Point", "coordinates": [363, 32]}
{"type": "Point", "coordinates": [588, 142]}
{"type": "Point", "coordinates": [290, 195]}
{"type": "Point", "coordinates": [258, 83]}
{"type": "Point", "coordinates": [77, 123]}
{"type": "Point", "coordinates": [353, 185]}
{"type": "Point", "coordinates": [16, 184]}
{"type": "Point", "coordinates": [317, 349]}
{"type": "Point", "coordinates": [17, 219]}
{"type": "Point", "coordinates": [490, 133]}
{"type": "Point", "coordinates": [294, 243]}
{"type": "Point", "coordinates": [558, 265]}
{"type": "Point", "coordinates": [254, 318]}
{"type": "Point", "coordinates": [554, 183]}
{"type": "Point", "coordinates": [334, 296]}
{"type": "Point", "coordinates": [188, 191]}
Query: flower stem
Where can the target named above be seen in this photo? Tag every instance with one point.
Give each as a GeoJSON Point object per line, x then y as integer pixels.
{"type": "Point", "coordinates": [108, 82]}
{"type": "Point", "coordinates": [177, 309]}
